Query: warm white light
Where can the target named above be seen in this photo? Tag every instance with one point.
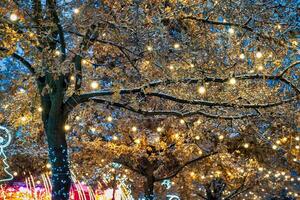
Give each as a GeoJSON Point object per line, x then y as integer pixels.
{"type": "Point", "coordinates": [115, 138]}
{"type": "Point", "coordinates": [274, 147]}
{"type": "Point", "coordinates": [260, 68]}
{"type": "Point", "coordinates": [197, 137]}
{"type": "Point", "coordinates": [109, 118]}
{"type": "Point", "coordinates": [93, 129]}
{"type": "Point", "coordinates": [134, 128]}
{"type": "Point", "coordinates": [77, 118]}
{"type": "Point", "coordinates": [57, 53]}
{"type": "Point", "coordinates": [297, 147]}
{"type": "Point", "coordinates": [15, 174]}
{"type": "Point", "coordinates": [23, 119]}
{"type": "Point", "coordinates": [48, 165]}
{"type": "Point", "coordinates": [76, 10]}
{"type": "Point", "coordinates": [84, 62]}
{"type": "Point", "coordinates": [258, 54]}
{"type": "Point", "coordinates": [182, 121]}
{"type": "Point", "coordinates": [297, 138]}
{"type": "Point", "coordinates": [246, 145]}
{"type": "Point", "coordinates": [192, 65]}
{"type": "Point", "coordinates": [13, 17]}
{"type": "Point", "coordinates": [176, 46]}
{"type": "Point", "coordinates": [149, 48]}
{"type": "Point", "coordinates": [221, 137]}
{"type": "Point", "coordinates": [67, 127]}
{"type": "Point", "coordinates": [171, 67]}
{"type": "Point", "coordinates": [231, 30]}
{"type": "Point", "coordinates": [159, 129]}
{"type": "Point", "coordinates": [94, 85]}
{"type": "Point", "coordinates": [242, 56]}
{"type": "Point", "coordinates": [72, 78]}
{"type": "Point", "coordinates": [201, 89]}
{"type": "Point", "coordinates": [137, 141]}
{"type": "Point", "coordinates": [232, 81]}
{"type": "Point", "coordinates": [40, 109]}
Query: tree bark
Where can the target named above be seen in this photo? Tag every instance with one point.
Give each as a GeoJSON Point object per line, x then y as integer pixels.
{"type": "Point", "coordinates": [149, 188]}
{"type": "Point", "coordinates": [58, 156]}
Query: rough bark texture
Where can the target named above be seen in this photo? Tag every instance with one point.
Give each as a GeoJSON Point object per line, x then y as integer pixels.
{"type": "Point", "coordinates": [149, 188]}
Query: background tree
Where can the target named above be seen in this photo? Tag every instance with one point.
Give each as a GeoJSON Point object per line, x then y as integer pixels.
{"type": "Point", "coordinates": [234, 64]}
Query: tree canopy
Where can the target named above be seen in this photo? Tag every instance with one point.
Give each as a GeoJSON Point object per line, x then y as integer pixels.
{"type": "Point", "coordinates": [198, 98]}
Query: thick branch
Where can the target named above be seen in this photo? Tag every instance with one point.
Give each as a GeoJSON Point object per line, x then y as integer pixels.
{"type": "Point", "coordinates": [184, 165]}
{"type": "Point", "coordinates": [172, 112]}
{"type": "Point", "coordinates": [21, 59]}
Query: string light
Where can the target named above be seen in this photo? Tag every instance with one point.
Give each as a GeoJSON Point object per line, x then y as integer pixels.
{"type": "Point", "coordinates": [137, 141]}
{"type": "Point", "coordinates": [231, 31]}
{"type": "Point", "coordinates": [48, 165]}
{"type": "Point", "coordinates": [159, 129]}
{"type": "Point", "coordinates": [13, 17]}
{"type": "Point", "coordinates": [134, 128]}
{"type": "Point", "coordinates": [15, 173]}
{"type": "Point", "coordinates": [115, 138]}
{"type": "Point", "coordinates": [40, 109]}
{"type": "Point", "coordinates": [182, 121]}
{"type": "Point", "coordinates": [72, 78]}
{"type": "Point", "coordinates": [232, 81]}
{"type": "Point", "coordinates": [57, 53]}
{"type": "Point", "coordinates": [23, 119]}
{"type": "Point", "coordinates": [221, 137]}
{"type": "Point", "coordinates": [201, 89]}
{"type": "Point", "coordinates": [176, 45]}
{"type": "Point", "coordinates": [149, 48]}
{"type": "Point", "coordinates": [274, 147]}
{"type": "Point", "coordinates": [258, 54]}
{"type": "Point", "coordinates": [76, 10]}
{"type": "Point", "coordinates": [242, 56]}
{"type": "Point", "coordinates": [246, 145]}
{"type": "Point", "coordinates": [260, 67]}
{"type": "Point", "coordinates": [171, 67]}
{"type": "Point", "coordinates": [77, 118]}
{"type": "Point", "coordinates": [297, 138]}
{"type": "Point", "coordinates": [94, 84]}
{"type": "Point", "coordinates": [197, 137]}
{"type": "Point", "coordinates": [67, 127]}
{"type": "Point", "coordinates": [109, 119]}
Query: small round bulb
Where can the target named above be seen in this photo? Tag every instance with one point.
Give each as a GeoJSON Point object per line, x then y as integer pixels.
{"type": "Point", "coordinates": [76, 10]}
{"type": "Point", "coordinates": [94, 85]}
{"type": "Point", "coordinates": [201, 89]}
{"type": "Point", "coordinates": [231, 31]}
{"type": "Point", "coordinates": [258, 54]}
{"type": "Point", "coordinates": [242, 56]}
{"type": "Point", "coordinates": [13, 17]}
{"type": "Point", "coordinates": [176, 46]}
{"type": "Point", "coordinates": [232, 81]}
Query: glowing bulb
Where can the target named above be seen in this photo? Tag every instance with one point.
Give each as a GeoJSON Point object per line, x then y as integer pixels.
{"type": "Point", "coordinates": [72, 78]}
{"type": "Point", "coordinates": [15, 174]}
{"type": "Point", "coordinates": [93, 129]}
{"type": "Point", "coordinates": [221, 137]}
{"type": "Point", "coordinates": [94, 85]}
{"type": "Point", "coordinates": [84, 62]}
{"type": "Point", "coordinates": [13, 17]}
{"type": "Point", "coordinates": [232, 81]}
{"type": "Point", "coordinates": [159, 129]}
{"type": "Point", "coordinates": [274, 147]}
{"type": "Point", "coordinates": [40, 109]}
{"type": "Point", "coordinates": [201, 90]}
{"type": "Point", "coordinates": [176, 46]}
{"type": "Point", "coordinates": [137, 141]}
{"type": "Point", "coordinates": [115, 138]}
{"type": "Point", "coordinates": [260, 169]}
{"type": "Point", "coordinates": [76, 10]}
{"type": "Point", "coordinates": [297, 138]}
{"type": "Point", "coordinates": [171, 67]}
{"type": "Point", "coordinates": [109, 118]}
{"type": "Point", "coordinates": [48, 165]}
{"type": "Point", "coordinates": [134, 128]}
{"type": "Point", "coordinates": [182, 121]}
{"type": "Point", "coordinates": [260, 68]}
{"type": "Point", "coordinates": [77, 118]}
{"type": "Point", "coordinates": [279, 26]}
{"type": "Point", "coordinates": [297, 147]}
{"type": "Point", "coordinates": [246, 145]}
{"type": "Point", "coordinates": [192, 173]}
{"type": "Point", "coordinates": [192, 65]}
{"type": "Point", "coordinates": [231, 31]}
{"type": "Point", "coordinates": [258, 54]}
{"type": "Point", "coordinates": [242, 56]}
{"type": "Point", "coordinates": [57, 53]}
{"type": "Point", "coordinates": [67, 127]}
{"type": "Point", "coordinates": [197, 137]}
{"type": "Point", "coordinates": [149, 48]}
{"type": "Point", "coordinates": [23, 119]}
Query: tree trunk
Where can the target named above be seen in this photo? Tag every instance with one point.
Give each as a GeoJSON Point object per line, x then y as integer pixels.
{"type": "Point", "coordinates": [149, 188]}
{"type": "Point", "coordinates": [58, 156]}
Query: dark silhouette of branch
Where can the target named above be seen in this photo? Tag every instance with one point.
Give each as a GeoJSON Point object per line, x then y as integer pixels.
{"type": "Point", "coordinates": [184, 165]}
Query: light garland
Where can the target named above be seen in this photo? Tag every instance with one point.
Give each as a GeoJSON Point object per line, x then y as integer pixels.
{"type": "Point", "coordinates": [2, 146]}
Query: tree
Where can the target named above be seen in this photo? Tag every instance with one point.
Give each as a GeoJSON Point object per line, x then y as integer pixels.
{"type": "Point", "coordinates": [232, 63]}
